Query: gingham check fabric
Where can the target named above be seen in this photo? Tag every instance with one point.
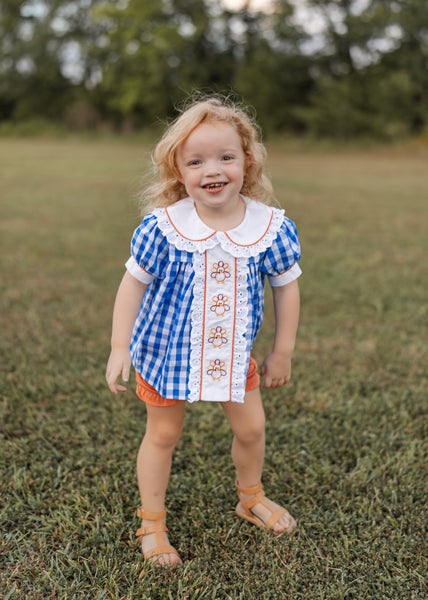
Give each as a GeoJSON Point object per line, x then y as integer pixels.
{"type": "Point", "coordinates": [160, 344]}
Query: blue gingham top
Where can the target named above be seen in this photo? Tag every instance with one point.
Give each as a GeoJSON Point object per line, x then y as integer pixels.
{"type": "Point", "coordinates": [164, 250]}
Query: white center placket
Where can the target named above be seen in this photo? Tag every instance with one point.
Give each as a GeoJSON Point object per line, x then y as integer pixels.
{"type": "Point", "coordinates": [219, 315]}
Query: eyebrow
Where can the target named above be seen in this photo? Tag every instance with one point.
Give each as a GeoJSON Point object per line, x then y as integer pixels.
{"type": "Point", "coordinates": [222, 151]}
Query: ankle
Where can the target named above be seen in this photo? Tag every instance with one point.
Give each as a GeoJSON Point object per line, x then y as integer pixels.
{"type": "Point", "coordinates": [248, 490]}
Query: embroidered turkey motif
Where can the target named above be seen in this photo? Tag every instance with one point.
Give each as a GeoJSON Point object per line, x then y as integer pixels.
{"type": "Point", "coordinates": [220, 271]}
{"type": "Point", "coordinates": [217, 369]}
{"type": "Point", "coordinates": [220, 304]}
{"type": "Point", "coordinates": [218, 337]}
{"type": "Point", "coordinates": [219, 317]}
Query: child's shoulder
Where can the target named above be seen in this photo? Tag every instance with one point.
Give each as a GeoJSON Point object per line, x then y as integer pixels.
{"type": "Point", "coordinates": [148, 222]}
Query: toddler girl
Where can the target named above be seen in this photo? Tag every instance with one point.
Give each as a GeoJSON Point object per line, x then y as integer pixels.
{"type": "Point", "coordinates": [191, 302]}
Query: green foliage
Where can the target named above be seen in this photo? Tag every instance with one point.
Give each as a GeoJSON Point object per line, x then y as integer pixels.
{"type": "Point", "coordinates": [92, 63]}
{"type": "Point", "coordinates": [373, 71]}
{"type": "Point", "coordinates": [346, 439]}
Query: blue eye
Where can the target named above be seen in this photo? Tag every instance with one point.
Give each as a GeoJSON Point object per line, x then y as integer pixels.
{"type": "Point", "coordinates": [227, 157]}
{"type": "Point", "coordinates": [194, 162]}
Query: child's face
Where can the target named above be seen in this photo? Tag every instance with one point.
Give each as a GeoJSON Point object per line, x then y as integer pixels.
{"type": "Point", "coordinates": [211, 163]}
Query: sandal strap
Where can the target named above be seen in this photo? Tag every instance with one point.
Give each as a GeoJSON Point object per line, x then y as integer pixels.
{"type": "Point", "coordinates": [151, 516]}
{"type": "Point", "coordinates": [259, 497]}
{"type": "Point", "coordinates": [251, 490]}
{"type": "Point", "coordinates": [275, 517]}
{"type": "Point", "coordinates": [157, 528]}
{"type": "Point", "coordinates": [161, 549]}
{"type": "Point", "coordinates": [244, 508]}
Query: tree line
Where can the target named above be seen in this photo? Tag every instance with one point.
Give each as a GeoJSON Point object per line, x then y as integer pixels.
{"type": "Point", "coordinates": [339, 68]}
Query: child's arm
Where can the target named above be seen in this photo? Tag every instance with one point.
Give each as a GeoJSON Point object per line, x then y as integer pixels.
{"type": "Point", "coordinates": [128, 302]}
{"type": "Point", "coordinates": [277, 365]}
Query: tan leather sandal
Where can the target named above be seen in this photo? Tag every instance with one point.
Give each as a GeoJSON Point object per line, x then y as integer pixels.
{"type": "Point", "coordinates": [159, 528]}
{"type": "Point", "coordinates": [244, 511]}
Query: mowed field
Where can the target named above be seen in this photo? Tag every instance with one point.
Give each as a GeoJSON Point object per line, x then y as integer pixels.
{"type": "Point", "coordinates": [345, 439]}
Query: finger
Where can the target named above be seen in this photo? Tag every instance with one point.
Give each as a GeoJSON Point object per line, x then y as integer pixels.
{"type": "Point", "coordinates": [278, 382]}
{"type": "Point", "coordinates": [268, 382]}
{"type": "Point", "coordinates": [112, 383]}
{"type": "Point", "coordinates": [263, 370]}
{"type": "Point", "coordinates": [112, 387]}
{"type": "Point", "coordinates": [125, 373]}
{"type": "Point", "coordinates": [116, 387]}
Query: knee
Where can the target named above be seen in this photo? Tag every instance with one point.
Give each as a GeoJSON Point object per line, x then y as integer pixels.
{"type": "Point", "coordinates": [252, 432]}
{"type": "Point", "coordinates": [164, 435]}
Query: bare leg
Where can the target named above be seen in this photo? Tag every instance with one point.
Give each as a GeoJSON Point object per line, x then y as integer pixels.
{"type": "Point", "coordinates": [248, 450]}
{"type": "Point", "coordinates": [163, 430]}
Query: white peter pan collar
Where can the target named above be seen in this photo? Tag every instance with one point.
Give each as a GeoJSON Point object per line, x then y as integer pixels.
{"type": "Point", "coordinates": [183, 228]}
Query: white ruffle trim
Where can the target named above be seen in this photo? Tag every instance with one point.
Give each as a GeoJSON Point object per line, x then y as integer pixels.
{"type": "Point", "coordinates": [240, 356]}
{"type": "Point", "coordinates": [245, 251]}
{"type": "Point", "coordinates": [177, 240]}
{"type": "Point", "coordinates": [197, 326]}
{"type": "Point", "coordinates": [225, 239]}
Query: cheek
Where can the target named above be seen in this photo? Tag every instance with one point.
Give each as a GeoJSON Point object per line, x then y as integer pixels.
{"type": "Point", "coordinates": [187, 180]}
{"type": "Point", "coordinates": [242, 174]}
{"type": "Point", "coordinates": [182, 178]}
{"type": "Point", "coordinates": [237, 171]}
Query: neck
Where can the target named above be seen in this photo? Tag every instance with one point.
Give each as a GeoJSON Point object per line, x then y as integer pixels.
{"type": "Point", "coordinates": [222, 218]}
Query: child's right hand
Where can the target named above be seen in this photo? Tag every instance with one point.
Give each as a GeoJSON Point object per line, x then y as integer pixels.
{"type": "Point", "coordinates": [119, 364]}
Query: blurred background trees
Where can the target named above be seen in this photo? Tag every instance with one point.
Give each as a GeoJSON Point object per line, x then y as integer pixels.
{"type": "Point", "coordinates": [340, 68]}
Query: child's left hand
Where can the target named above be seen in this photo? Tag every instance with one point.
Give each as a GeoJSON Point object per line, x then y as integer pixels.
{"type": "Point", "coordinates": [276, 369]}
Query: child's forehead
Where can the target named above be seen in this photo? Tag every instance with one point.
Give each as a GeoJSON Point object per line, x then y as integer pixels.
{"type": "Point", "coordinates": [209, 130]}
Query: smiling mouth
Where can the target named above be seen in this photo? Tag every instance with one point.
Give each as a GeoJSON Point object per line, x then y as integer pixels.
{"type": "Point", "coordinates": [214, 186]}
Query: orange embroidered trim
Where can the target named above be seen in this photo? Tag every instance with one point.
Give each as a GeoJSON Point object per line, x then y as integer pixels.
{"type": "Point", "coordinates": [183, 236]}
{"type": "Point", "coordinates": [282, 272]}
{"type": "Point", "coordinates": [253, 243]}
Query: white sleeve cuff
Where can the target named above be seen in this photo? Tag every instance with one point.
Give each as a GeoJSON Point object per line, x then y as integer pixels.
{"type": "Point", "coordinates": [287, 277]}
{"type": "Point", "coordinates": [138, 272]}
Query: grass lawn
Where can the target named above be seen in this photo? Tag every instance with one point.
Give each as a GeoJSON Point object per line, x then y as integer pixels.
{"type": "Point", "coordinates": [345, 439]}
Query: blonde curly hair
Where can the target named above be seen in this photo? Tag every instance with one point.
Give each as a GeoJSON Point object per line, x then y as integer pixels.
{"type": "Point", "coordinates": [166, 188]}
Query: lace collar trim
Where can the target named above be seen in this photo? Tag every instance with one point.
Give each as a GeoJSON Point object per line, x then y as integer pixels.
{"type": "Point", "coordinates": [183, 228]}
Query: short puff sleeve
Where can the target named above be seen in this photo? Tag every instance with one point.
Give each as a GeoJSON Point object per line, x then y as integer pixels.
{"type": "Point", "coordinates": [149, 251]}
{"type": "Point", "coordinates": [280, 261]}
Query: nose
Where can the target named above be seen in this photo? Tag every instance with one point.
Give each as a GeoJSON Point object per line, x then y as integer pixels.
{"type": "Point", "coordinates": [212, 168]}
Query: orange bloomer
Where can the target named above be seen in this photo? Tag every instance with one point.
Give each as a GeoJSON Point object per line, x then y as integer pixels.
{"type": "Point", "coordinates": [148, 394]}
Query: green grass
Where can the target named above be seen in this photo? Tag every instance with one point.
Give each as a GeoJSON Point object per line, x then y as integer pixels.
{"type": "Point", "coordinates": [345, 449]}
